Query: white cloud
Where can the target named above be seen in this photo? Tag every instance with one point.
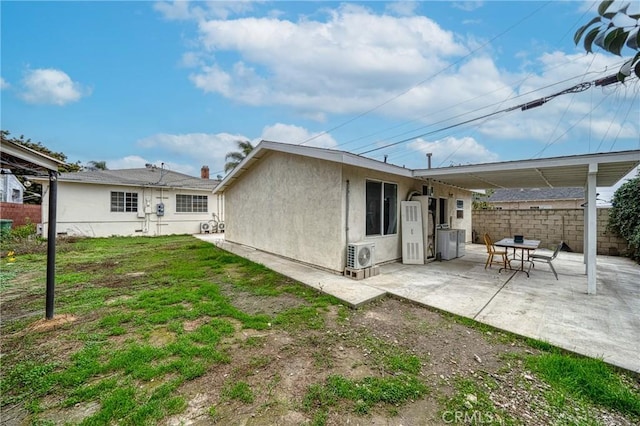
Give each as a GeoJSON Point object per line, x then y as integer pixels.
{"type": "Point", "coordinates": [211, 149]}
{"type": "Point", "coordinates": [185, 10]}
{"type": "Point", "coordinates": [4, 84]}
{"type": "Point", "coordinates": [402, 7]}
{"type": "Point", "coordinates": [289, 133]}
{"type": "Point", "coordinates": [467, 6]}
{"type": "Point", "coordinates": [350, 62]}
{"type": "Point", "coordinates": [454, 151]}
{"type": "Point", "coordinates": [178, 10]}
{"type": "Point", "coordinates": [208, 149]}
{"type": "Point", "coordinates": [51, 86]}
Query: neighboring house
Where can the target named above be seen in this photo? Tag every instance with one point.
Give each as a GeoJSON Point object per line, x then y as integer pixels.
{"type": "Point", "coordinates": [148, 201]}
{"type": "Point", "coordinates": [536, 198]}
{"type": "Point", "coordinates": [11, 189]}
{"type": "Point", "coordinates": [308, 204]}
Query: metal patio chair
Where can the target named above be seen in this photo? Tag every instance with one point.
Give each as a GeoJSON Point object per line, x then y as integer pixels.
{"type": "Point", "coordinates": [547, 258]}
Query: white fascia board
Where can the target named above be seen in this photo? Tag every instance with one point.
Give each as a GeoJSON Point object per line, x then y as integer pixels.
{"type": "Point", "coordinates": [554, 162]}
{"type": "Point", "coordinates": [30, 155]}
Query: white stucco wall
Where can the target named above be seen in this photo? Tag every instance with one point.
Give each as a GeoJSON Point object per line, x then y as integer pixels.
{"type": "Point", "coordinates": [295, 206]}
{"type": "Point", "coordinates": [451, 194]}
{"type": "Point", "coordinates": [387, 247]}
{"type": "Point", "coordinates": [85, 210]}
{"type": "Point", "coordinates": [291, 206]}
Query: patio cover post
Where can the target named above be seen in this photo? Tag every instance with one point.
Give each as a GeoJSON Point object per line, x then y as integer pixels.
{"type": "Point", "coordinates": [590, 227]}
{"type": "Point", "coordinates": [585, 233]}
{"type": "Point", "coordinates": [51, 244]}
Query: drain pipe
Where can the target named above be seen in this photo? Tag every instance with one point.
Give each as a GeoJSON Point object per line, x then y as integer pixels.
{"type": "Point", "coordinates": [346, 230]}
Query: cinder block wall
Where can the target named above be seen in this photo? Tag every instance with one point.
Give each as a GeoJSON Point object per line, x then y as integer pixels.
{"type": "Point", "coordinates": [548, 226]}
{"type": "Point", "coordinates": [21, 214]}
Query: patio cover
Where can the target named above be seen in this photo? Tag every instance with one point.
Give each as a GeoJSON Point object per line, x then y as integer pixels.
{"type": "Point", "coordinates": [557, 172]}
{"type": "Point", "coordinates": [22, 160]}
{"type": "Point", "coordinates": [589, 171]}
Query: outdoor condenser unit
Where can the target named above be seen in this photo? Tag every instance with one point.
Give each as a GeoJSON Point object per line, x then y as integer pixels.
{"type": "Point", "coordinates": [205, 227]}
{"type": "Point", "coordinates": [360, 255]}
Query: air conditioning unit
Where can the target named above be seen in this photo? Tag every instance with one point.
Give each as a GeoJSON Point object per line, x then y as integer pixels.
{"type": "Point", "coordinates": [205, 227]}
{"type": "Point", "coordinates": [360, 255]}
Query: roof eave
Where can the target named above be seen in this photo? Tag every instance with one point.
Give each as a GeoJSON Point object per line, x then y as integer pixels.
{"type": "Point", "coordinates": [27, 154]}
{"type": "Point", "coordinates": [335, 156]}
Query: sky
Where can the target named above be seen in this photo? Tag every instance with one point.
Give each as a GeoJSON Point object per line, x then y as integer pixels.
{"type": "Point", "coordinates": [179, 83]}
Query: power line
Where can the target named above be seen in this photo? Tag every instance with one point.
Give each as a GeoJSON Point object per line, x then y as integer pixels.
{"type": "Point", "coordinates": [482, 46]}
{"type": "Point", "coordinates": [623, 121]}
{"type": "Point", "coordinates": [523, 107]}
{"type": "Point", "coordinates": [474, 111]}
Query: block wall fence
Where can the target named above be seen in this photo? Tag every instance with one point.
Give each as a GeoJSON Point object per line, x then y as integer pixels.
{"type": "Point", "coordinates": [21, 214]}
{"type": "Point", "coordinates": [549, 226]}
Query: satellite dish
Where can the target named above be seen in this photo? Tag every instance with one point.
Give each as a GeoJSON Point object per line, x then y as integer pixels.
{"type": "Point", "coordinates": [27, 183]}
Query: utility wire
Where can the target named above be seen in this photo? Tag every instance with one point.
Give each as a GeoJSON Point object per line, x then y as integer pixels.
{"type": "Point", "coordinates": [609, 126]}
{"type": "Point", "coordinates": [479, 96]}
{"type": "Point", "coordinates": [567, 131]}
{"type": "Point", "coordinates": [478, 109]}
{"type": "Point", "coordinates": [362, 114]}
{"type": "Point", "coordinates": [623, 121]}
{"type": "Point", "coordinates": [516, 84]}
{"type": "Point", "coordinates": [566, 110]}
{"type": "Point", "coordinates": [523, 107]}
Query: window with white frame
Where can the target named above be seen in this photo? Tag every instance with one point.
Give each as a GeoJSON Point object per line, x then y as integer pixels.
{"type": "Point", "coordinates": [381, 208]}
{"type": "Point", "coordinates": [459, 209]}
{"type": "Point", "coordinates": [124, 201]}
{"type": "Point", "coordinates": [192, 203]}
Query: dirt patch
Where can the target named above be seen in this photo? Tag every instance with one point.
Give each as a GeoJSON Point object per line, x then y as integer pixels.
{"type": "Point", "coordinates": [55, 322]}
{"type": "Point", "coordinates": [255, 304]}
{"type": "Point", "coordinates": [279, 365]}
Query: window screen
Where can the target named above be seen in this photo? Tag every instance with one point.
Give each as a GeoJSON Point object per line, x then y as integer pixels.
{"type": "Point", "coordinates": [191, 203]}
{"type": "Point", "coordinates": [124, 201]}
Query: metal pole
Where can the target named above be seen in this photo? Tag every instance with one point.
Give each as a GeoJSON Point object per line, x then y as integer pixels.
{"type": "Point", "coordinates": [51, 243]}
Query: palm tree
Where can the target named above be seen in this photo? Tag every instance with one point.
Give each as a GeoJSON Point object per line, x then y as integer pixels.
{"type": "Point", "coordinates": [234, 158]}
{"type": "Point", "coordinates": [97, 165]}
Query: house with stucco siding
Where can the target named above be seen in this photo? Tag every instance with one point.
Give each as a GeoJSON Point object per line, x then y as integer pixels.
{"type": "Point", "coordinates": [308, 204]}
{"type": "Point", "coordinates": [148, 201]}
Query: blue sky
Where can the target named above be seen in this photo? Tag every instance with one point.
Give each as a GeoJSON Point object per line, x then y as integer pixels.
{"type": "Point", "coordinates": [178, 83]}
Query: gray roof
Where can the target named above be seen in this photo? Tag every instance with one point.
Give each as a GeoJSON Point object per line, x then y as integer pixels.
{"type": "Point", "coordinates": [154, 177]}
{"type": "Point", "coordinates": [536, 194]}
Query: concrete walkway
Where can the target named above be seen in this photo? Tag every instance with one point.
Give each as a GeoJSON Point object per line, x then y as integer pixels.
{"type": "Point", "coordinates": [605, 325]}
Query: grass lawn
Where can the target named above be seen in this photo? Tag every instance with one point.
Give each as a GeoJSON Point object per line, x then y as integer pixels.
{"type": "Point", "coordinates": [172, 330]}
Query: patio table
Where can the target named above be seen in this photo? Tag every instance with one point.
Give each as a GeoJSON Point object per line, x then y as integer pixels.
{"type": "Point", "coordinates": [527, 245]}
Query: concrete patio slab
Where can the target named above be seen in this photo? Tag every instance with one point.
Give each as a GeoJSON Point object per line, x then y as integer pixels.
{"type": "Point", "coordinates": [605, 325]}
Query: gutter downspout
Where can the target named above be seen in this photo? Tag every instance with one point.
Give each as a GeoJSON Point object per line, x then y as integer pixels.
{"type": "Point", "coordinates": [346, 230]}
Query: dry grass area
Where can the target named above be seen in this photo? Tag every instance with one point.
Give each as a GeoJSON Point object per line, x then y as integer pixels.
{"type": "Point", "coordinates": [194, 335]}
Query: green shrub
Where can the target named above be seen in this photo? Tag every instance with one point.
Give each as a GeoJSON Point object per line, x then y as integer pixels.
{"type": "Point", "coordinates": [624, 217]}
